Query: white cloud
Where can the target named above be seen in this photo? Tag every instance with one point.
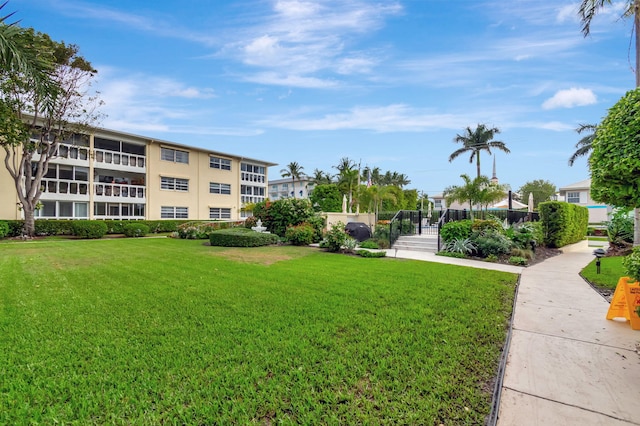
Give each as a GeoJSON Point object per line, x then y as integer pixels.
{"type": "Point", "coordinates": [382, 119]}
{"type": "Point", "coordinates": [570, 98]}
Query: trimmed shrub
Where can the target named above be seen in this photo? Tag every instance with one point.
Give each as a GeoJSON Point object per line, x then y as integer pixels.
{"type": "Point", "coordinates": [202, 230]}
{"type": "Point", "coordinates": [370, 244]}
{"type": "Point", "coordinates": [89, 228]}
{"type": "Point", "coordinates": [367, 253]}
{"type": "Point", "coordinates": [135, 229]}
{"type": "Point", "coordinates": [300, 235]}
{"type": "Point", "coordinates": [241, 237]}
{"type": "Point", "coordinates": [563, 223]}
{"type": "Point", "coordinates": [46, 227]}
{"type": "Point", "coordinates": [459, 229]}
{"type": "Point", "coordinates": [482, 225]}
{"type": "Point", "coordinates": [4, 229]}
{"type": "Point", "coordinates": [15, 228]}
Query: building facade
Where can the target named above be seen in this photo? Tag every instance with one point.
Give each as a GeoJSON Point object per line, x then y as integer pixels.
{"type": "Point", "coordinates": [115, 175]}
{"type": "Point", "coordinates": [580, 193]}
{"type": "Point", "coordinates": [286, 188]}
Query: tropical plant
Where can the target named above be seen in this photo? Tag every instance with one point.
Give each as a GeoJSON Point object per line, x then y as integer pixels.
{"type": "Point", "coordinates": [477, 140]}
{"type": "Point", "coordinates": [615, 157]}
{"type": "Point", "coordinates": [584, 145]}
{"type": "Point", "coordinates": [294, 171]}
{"type": "Point", "coordinates": [460, 245]}
{"type": "Point", "coordinates": [620, 227]}
{"type": "Point", "coordinates": [321, 178]}
{"type": "Point", "coordinates": [326, 198]}
{"type": "Point", "coordinates": [335, 237]}
{"type": "Point", "coordinates": [470, 192]}
{"type": "Point", "coordinates": [587, 11]}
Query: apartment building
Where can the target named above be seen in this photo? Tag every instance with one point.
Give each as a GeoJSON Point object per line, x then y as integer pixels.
{"type": "Point", "coordinates": [580, 193]}
{"type": "Point", "coordinates": [286, 188]}
{"type": "Point", "coordinates": [115, 175]}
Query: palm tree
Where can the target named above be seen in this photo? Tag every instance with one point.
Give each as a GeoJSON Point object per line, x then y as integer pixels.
{"type": "Point", "coordinates": [320, 178]}
{"type": "Point", "coordinates": [583, 147]}
{"type": "Point", "coordinates": [294, 171]}
{"type": "Point", "coordinates": [590, 8]}
{"type": "Point", "coordinates": [474, 141]}
{"type": "Point", "coordinates": [471, 192]}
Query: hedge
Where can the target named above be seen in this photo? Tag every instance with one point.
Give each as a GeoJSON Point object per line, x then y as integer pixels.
{"type": "Point", "coordinates": [135, 229]}
{"type": "Point", "coordinates": [89, 228]}
{"type": "Point", "coordinates": [4, 229]}
{"type": "Point", "coordinates": [242, 237]}
{"type": "Point", "coordinates": [564, 223]}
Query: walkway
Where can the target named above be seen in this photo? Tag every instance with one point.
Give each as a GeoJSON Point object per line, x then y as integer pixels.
{"type": "Point", "coordinates": [566, 364]}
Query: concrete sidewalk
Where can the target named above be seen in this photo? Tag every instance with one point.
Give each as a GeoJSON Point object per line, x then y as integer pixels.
{"type": "Point", "coordinates": [566, 365]}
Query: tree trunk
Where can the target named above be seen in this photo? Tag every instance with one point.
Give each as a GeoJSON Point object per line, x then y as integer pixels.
{"type": "Point", "coordinates": [478, 163]}
{"type": "Point", "coordinates": [29, 229]}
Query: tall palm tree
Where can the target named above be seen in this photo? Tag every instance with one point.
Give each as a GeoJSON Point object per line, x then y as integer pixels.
{"type": "Point", "coordinates": [583, 147]}
{"type": "Point", "coordinates": [474, 141]}
{"type": "Point", "coordinates": [320, 177]}
{"type": "Point", "coordinates": [294, 171]}
{"type": "Point", "coordinates": [588, 10]}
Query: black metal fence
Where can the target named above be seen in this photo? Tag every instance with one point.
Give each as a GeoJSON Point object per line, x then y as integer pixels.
{"type": "Point", "coordinates": [411, 222]}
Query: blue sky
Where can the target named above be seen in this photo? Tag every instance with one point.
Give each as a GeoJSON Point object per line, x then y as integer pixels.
{"type": "Point", "coordinates": [386, 83]}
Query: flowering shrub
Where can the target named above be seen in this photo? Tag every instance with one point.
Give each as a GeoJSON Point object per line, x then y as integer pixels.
{"type": "Point", "coordinates": [300, 235]}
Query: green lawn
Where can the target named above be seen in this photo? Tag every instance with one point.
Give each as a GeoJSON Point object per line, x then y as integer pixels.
{"type": "Point", "coordinates": [611, 270]}
{"type": "Point", "coordinates": [152, 331]}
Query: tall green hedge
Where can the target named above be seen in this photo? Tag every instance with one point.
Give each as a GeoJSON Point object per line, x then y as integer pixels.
{"type": "Point", "coordinates": [89, 228]}
{"type": "Point", "coordinates": [564, 223]}
{"type": "Point", "coordinates": [4, 229]}
{"type": "Point", "coordinates": [241, 237]}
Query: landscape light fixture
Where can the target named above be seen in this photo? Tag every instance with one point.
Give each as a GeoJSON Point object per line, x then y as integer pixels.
{"type": "Point", "coordinates": [598, 253]}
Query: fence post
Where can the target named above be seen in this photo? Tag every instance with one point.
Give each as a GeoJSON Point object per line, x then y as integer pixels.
{"type": "Point", "coordinates": [419, 222]}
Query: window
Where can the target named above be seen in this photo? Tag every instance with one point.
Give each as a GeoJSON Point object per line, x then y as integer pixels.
{"type": "Point", "coordinates": [219, 163]}
{"type": "Point", "coordinates": [219, 213]}
{"type": "Point", "coordinates": [175, 155]}
{"type": "Point", "coordinates": [174, 184]}
{"type": "Point", "coordinates": [437, 204]}
{"type": "Point", "coordinates": [219, 188]}
{"type": "Point", "coordinates": [573, 197]}
{"type": "Point", "coordinates": [167, 212]}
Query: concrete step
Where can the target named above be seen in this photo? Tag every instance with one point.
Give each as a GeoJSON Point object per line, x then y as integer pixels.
{"type": "Point", "coordinates": [417, 243]}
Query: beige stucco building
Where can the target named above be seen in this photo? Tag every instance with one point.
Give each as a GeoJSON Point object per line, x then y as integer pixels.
{"type": "Point", "coordinates": [115, 175]}
{"type": "Point", "coordinates": [580, 193]}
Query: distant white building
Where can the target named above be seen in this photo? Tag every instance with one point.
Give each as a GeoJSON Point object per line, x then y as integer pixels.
{"type": "Point", "coordinates": [580, 193]}
{"type": "Point", "coordinates": [287, 188]}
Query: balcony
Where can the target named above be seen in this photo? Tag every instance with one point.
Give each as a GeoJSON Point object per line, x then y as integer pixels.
{"type": "Point", "coordinates": [63, 188]}
{"type": "Point", "coordinates": [119, 160]}
{"type": "Point", "coordinates": [116, 191]}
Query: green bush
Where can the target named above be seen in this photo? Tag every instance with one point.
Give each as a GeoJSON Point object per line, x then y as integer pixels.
{"type": "Point", "coordinates": [135, 229]}
{"type": "Point", "coordinates": [563, 223]}
{"type": "Point", "coordinates": [631, 264]}
{"type": "Point", "coordinates": [492, 242]}
{"type": "Point", "coordinates": [524, 234]}
{"type": "Point", "coordinates": [277, 216]}
{"type": "Point", "coordinates": [370, 244]}
{"type": "Point", "coordinates": [241, 237]}
{"type": "Point", "coordinates": [158, 226]}
{"type": "Point", "coordinates": [318, 223]}
{"type": "Point", "coordinates": [482, 225]}
{"type": "Point", "coordinates": [335, 238]}
{"type": "Point", "coordinates": [451, 254]}
{"type": "Point", "coordinates": [202, 230]}
{"type": "Point", "coordinates": [15, 228]}
{"type": "Point", "coordinates": [89, 228]}
{"type": "Point", "coordinates": [4, 229]}
{"type": "Point", "coordinates": [367, 253]}
{"type": "Point", "coordinates": [620, 227]}
{"type": "Point", "coordinates": [45, 227]}
{"type": "Point", "coordinates": [251, 222]}
{"type": "Point", "coordinates": [300, 235]}
{"type": "Point", "coordinates": [516, 260]}
{"type": "Point", "coordinates": [381, 232]}
{"type": "Point", "coordinates": [456, 229]}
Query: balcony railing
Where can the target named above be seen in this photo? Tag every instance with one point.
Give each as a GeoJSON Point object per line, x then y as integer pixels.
{"type": "Point", "coordinates": [118, 158]}
{"type": "Point", "coordinates": [72, 187]}
{"type": "Point", "coordinates": [119, 190]}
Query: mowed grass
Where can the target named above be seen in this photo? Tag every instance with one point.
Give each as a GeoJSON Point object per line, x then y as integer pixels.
{"type": "Point", "coordinates": [611, 270]}
{"type": "Point", "coordinates": [165, 331]}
